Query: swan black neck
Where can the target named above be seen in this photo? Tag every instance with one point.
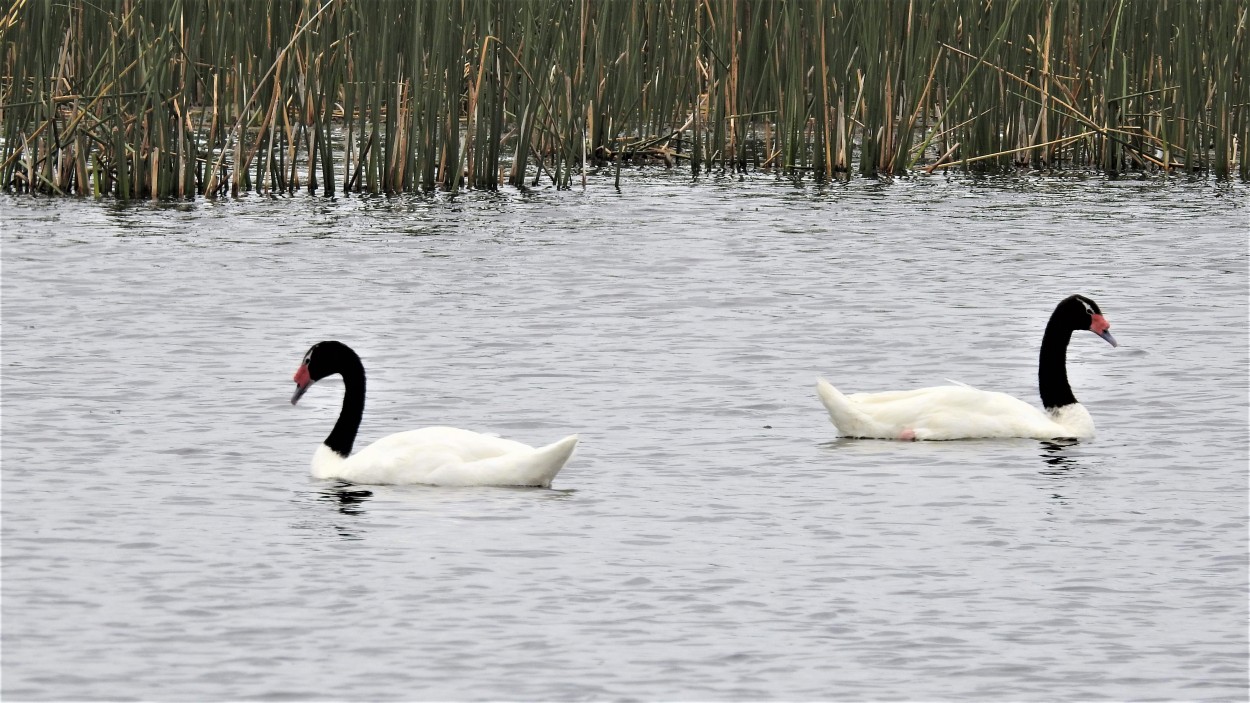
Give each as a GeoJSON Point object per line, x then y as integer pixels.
{"type": "Point", "coordinates": [1052, 369]}
{"type": "Point", "coordinates": [343, 436]}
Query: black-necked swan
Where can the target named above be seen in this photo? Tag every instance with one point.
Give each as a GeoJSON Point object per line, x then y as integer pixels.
{"type": "Point", "coordinates": [438, 456]}
{"type": "Point", "coordinates": [964, 412]}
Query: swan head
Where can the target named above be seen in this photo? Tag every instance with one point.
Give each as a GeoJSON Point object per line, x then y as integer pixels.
{"type": "Point", "coordinates": [322, 359]}
{"type": "Point", "coordinates": [1080, 313]}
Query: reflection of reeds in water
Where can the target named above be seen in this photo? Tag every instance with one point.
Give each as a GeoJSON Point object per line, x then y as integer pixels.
{"type": "Point", "coordinates": [157, 98]}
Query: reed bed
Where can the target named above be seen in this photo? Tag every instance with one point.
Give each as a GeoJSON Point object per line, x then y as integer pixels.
{"type": "Point", "coordinates": [177, 98]}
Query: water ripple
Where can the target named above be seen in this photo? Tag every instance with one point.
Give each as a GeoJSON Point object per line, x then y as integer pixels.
{"type": "Point", "coordinates": [711, 539]}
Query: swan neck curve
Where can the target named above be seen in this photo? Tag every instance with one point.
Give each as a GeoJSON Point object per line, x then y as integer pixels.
{"type": "Point", "coordinates": [1052, 369]}
{"type": "Point", "coordinates": [343, 436]}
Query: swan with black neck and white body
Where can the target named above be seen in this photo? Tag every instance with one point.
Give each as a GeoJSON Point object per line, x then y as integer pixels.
{"type": "Point", "coordinates": [964, 412]}
{"type": "Point", "coordinates": [439, 456]}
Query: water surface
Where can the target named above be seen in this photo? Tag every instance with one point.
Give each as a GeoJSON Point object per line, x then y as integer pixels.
{"type": "Point", "coordinates": [711, 539]}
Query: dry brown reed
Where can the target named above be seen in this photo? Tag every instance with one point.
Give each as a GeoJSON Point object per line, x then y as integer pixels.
{"type": "Point", "coordinates": [174, 98]}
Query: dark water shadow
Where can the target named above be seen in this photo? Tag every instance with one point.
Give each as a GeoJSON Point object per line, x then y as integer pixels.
{"type": "Point", "coordinates": [348, 498]}
{"type": "Point", "coordinates": [862, 443]}
{"type": "Point", "coordinates": [1060, 466]}
{"type": "Point", "coordinates": [1058, 458]}
{"type": "Point", "coordinates": [348, 514]}
{"type": "Point", "coordinates": [349, 501]}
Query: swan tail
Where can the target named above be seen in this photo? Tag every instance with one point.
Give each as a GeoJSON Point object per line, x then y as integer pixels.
{"type": "Point", "coordinates": [849, 420]}
{"type": "Point", "coordinates": [531, 467]}
{"type": "Point", "coordinates": [551, 458]}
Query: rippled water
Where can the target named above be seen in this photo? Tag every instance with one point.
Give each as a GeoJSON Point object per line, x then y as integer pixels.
{"type": "Point", "coordinates": [711, 539]}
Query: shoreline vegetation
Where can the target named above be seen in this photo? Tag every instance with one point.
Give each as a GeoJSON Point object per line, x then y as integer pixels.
{"type": "Point", "coordinates": [183, 98]}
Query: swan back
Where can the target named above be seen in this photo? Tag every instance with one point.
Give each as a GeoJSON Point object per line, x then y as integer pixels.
{"type": "Point", "coordinates": [446, 456]}
{"type": "Point", "coordinates": [948, 412]}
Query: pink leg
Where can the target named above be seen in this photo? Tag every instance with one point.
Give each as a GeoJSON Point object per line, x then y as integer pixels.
{"type": "Point", "coordinates": [907, 435]}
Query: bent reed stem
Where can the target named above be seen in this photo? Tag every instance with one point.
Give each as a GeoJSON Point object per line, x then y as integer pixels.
{"type": "Point", "coordinates": [186, 98]}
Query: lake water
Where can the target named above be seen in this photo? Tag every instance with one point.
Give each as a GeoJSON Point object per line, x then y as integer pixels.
{"type": "Point", "coordinates": [711, 539]}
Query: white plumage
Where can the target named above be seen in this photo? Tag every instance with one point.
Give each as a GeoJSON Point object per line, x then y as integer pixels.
{"type": "Point", "coordinates": [948, 412]}
{"type": "Point", "coordinates": [446, 456]}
